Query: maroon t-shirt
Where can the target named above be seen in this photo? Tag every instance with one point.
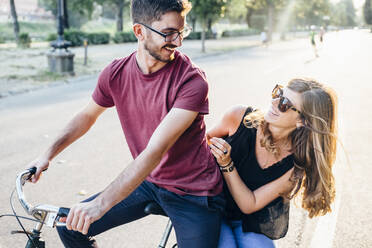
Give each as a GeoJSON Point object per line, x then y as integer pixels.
{"type": "Point", "coordinates": [143, 100]}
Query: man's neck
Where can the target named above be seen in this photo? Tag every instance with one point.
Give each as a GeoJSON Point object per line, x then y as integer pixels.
{"type": "Point", "coordinates": [147, 63]}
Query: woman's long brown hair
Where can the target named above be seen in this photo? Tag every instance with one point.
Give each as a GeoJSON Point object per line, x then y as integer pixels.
{"type": "Point", "coordinates": [313, 145]}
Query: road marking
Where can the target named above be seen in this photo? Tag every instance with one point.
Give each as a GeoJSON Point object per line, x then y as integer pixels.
{"type": "Point", "coordinates": [326, 226]}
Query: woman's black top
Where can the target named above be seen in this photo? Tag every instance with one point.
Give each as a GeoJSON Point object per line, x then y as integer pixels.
{"type": "Point", "coordinates": [243, 153]}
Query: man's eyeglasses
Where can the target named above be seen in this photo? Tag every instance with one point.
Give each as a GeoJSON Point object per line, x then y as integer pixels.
{"type": "Point", "coordinates": [284, 102]}
{"type": "Point", "coordinates": [173, 35]}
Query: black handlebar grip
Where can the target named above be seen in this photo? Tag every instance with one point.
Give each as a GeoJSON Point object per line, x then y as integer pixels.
{"type": "Point", "coordinates": [63, 212]}
{"type": "Point", "coordinates": [32, 170]}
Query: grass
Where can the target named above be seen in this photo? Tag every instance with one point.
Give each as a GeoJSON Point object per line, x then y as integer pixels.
{"type": "Point", "coordinates": [45, 75]}
{"type": "Point", "coordinates": [23, 66]}
{"type": "Point", "coordinates": [105, 25]}
{"type": "Point", "coordinates": [41, 76]}
{"type": "Point", "coordinates": [37, 30]}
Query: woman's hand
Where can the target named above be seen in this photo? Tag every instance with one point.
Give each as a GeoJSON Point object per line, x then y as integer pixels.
{"type": "Point", "coordinates": [221, 150]}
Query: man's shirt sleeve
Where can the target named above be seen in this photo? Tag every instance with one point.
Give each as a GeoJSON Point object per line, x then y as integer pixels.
{"type": "Point", "coordinates": [193, 96]}
{"type": "Point", "coordinates": [102, 93]}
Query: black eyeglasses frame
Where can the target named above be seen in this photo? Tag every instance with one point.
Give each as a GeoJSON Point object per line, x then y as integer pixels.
{"type": "Point", "coordinates": [186, 29]}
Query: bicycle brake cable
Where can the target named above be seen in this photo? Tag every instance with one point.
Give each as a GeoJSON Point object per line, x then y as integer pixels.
{"type": "Point", "coordinates": [20, 216]}
{"type": "Point", "coordinates": [19, 221]}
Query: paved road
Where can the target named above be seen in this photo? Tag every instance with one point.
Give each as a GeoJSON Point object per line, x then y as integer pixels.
{"type": "Point", "coordinates": [29, 122]}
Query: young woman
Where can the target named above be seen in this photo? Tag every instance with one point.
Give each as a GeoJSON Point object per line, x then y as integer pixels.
{"type": "Point", "coordinates": [266, 159]}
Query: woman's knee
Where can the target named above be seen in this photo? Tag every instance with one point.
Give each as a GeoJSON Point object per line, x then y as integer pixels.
{"type": "Point", "coordinates": [255, 240]}
{"type": "Point", "coordinates": [226, 239]}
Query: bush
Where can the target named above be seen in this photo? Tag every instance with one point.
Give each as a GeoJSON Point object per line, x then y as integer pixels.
{"type": "Point", "coordinates": [197, 35]}
{"type": "Point", "coordinates": [121, 37]}
{"type": "Point", "coordinates": [98, 38]}
{"type": "Point", "coordinates": [194, 36]}
{"type": "Point", "coordinates": [51, 37]}
{"type": "Point", "coordinates": [24, 40]}
{"type": "Point", "coordinates": [76, 37]}
{"type": "Point", "coordinates": [2, 40]}
{"type": "Point", "coordinates": [239, 32]}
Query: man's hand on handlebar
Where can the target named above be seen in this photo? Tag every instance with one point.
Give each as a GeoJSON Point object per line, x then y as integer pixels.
{"type": "Point", "coordinates": [41, 165]}
{"type": "Point", "coordinates": [82, 215]}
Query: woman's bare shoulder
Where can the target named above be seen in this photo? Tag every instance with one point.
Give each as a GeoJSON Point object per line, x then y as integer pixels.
{"type": "Point", "coordinates": [234, 116]}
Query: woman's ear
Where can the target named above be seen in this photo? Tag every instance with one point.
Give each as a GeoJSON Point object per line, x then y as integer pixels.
{"type": "Point", "coordinates": [300, 122]}
{"type": "Point", "coordinates": [138, 31]}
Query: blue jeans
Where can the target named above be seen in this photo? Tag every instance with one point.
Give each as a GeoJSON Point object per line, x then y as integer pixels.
{"type": "Point", "coordinates": [232, 236]}
{"type": "Point", "coordinates": [196, 219]}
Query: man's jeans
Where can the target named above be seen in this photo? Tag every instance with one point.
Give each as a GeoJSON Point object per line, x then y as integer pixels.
{"type": "Point", "coordinates": [196, 219]}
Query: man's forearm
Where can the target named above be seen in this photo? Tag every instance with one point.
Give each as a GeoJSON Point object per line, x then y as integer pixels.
{"type": "Point", "coordinates": [128, 180]}
{"type": "Point", "coordinates": [77, 127]}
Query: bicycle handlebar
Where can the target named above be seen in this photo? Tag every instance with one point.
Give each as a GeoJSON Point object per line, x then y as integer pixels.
{"type": "Point", "coordinates": [47, 214]}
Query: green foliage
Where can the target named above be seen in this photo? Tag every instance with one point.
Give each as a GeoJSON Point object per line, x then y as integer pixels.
{"type": "Point", "coordinates": [36, 30]}
{"type": "Point", "coordinates": [197, 36]}
{"type": "Point", "coordinates": [239, 32]}
{"type": "Point", "coordinates": [344, 13]}
{"type": "Point", "coordinates": [98, 38]}
{"type": "Point", "coordinates": [367, 12]}
{"type": "Point", "coordinates": [79, 11]}
{"type": "Point", "coordinates": [311, 12]}
{"type": "Point", "coordinates": [258, 22]}
{"type": "Point", "coordinates": [83, 7]}
{"type": "Point", "coordinates": [121, 37]}
{"type": "Point", "coordinates": [236, 10]}
{"type": "Point", "coordinates": [104, 25]}
{"type": "Point", "coordinates": [76, 37]}
{"type": "Point", "coordinates": [51, 37]}
{"type": "Point", "coordinates": [24, 40]}
{"type": "Point", "coordinates": [208, 10]}
{"type": "Point", "coordinates": [2, 40]}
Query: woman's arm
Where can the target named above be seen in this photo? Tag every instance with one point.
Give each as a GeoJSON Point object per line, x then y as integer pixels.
{"type": "Point", "coordinates": [229, 123]}
{"type": "Point", "coordinates": [248, 201]}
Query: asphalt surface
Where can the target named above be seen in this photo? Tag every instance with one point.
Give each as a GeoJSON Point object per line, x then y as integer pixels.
{"type": "Point", "coordinates": [28, 123]}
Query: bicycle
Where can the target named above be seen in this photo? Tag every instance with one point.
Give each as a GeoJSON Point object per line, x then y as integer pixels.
{"type": "Point", "coordinates": [50, 215]}
{"type": "Point", "coordinates": [43, 214]}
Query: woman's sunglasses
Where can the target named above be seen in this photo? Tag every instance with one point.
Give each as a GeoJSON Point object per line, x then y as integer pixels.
{"type": "Point", "coordinates": [284, 102]}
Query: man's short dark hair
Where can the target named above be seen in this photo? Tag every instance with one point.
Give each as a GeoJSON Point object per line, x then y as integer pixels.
{"type": "Point", "coordinates": [148, 11]}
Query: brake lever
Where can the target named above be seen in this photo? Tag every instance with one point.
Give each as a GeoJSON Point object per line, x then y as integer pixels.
{"type": "Point", "coordinates": [54, 217]}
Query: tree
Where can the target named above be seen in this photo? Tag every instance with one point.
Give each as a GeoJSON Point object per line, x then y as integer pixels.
{"type": "Point", "coordinates": [76, 12]}
{"type": "Point", "coordinates": [119, 6]}
{"type": "Point", "coordinates": [236, 10]}
{"type": "Point", "coordinates": [311, 12]}
{"type": "Point", "coordinates": [13, 12]}
{"type": "Point", "coordinates": [367, 12]}
{"type": "Point", "coordinates": [350, 12]}
{"type": "Point", "coordinates": [272, 7]}
{"type": "Point", "coordinates": [208, 11]}
{"type": "Point", "coordinates": [344, 13]}
{"type": "Point", "coordinates": [253, 6]}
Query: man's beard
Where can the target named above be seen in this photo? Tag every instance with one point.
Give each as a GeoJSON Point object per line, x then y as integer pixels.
{"type": "Point", "coordinates": [157, 56]}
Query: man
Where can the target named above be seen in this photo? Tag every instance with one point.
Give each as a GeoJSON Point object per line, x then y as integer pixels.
{"type": "Point", "coordinates": [160, 97]}
{"type": "Point", "coordinates": [312, 40]}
